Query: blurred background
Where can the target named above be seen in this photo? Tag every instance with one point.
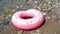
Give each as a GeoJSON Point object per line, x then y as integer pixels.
{"type": "Point", "coordinates": [50, 9]}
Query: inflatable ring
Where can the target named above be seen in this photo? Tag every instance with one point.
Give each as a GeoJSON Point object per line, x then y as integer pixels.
{"type": "Point", "coordinates": [28, 19]}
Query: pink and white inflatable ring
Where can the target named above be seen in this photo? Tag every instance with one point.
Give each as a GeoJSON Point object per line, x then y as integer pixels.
{"type": "Point", "coordinates": [29, 19]}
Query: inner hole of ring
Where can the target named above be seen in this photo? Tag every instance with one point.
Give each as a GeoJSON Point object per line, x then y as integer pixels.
{"type": "Point", "coordinates": [26, 16]}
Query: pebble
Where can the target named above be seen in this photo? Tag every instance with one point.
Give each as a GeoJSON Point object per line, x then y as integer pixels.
{"type": "Point", "coordinates": [0, 21]}
{"type": "Point", "coordinates": [35, 1]}
{"type": "Point", "coordinates": [9, 15]}
{"type": "Point", "coordinates": [48, 17]}
{"type": "Point", "coordinates": [39, 7]}
{"type": "Point", "coordinates": [49, 2]}
{"type": "Point", "coordinates": [17, 7]}
{"type": "Point", "coordinates": [13, 10]}
{"type": "Point", "coordinates": [44, 13]}
{"type": "Point", "coordinates": [31, 32]}
{"type": "Point", "coordinates": [5, 22]}
{"type": "Point", "coordinates": [34, 33]}
{"type": "Point", "coordinates": [59, 21]}
{"type": "Point", "coordinates": [38, 31]}
{"type": "Point", "coordinates": [53, 16]}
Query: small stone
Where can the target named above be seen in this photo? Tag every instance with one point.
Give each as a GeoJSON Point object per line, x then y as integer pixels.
{"type": "Point", "coordinates": [44, 3]}
{"type": "Point", "coordinates": [38, 7]}
{"type": "Point", "coordinates": [35, 2]}
{"type": "Point", "coordinates": [48, 10]}
{"type": "Point", "coordinates": [17, 6]}
{"type": "Point", "coordinates": [6, 17]}
{"type": "Point", "coordinates": [5, 22]}
{"type": "Point", "coordinates": [20, 32]}
{"type": "Point", "coordinates": [31, 32]}
{"type": "Point", "coordinates": [21, 6]}
{"type": "Point", "coordinates": [1, 17]}
{"type": "Point", "coordinates": [25, 0]}
{"type": "Point", "coordinates": [53, 6]}
{"type": "Point", "coordinates": [9, 15]}
{"type": "Point", "coordinates": [49, 2]}
{"type": "Point", "coordinates": [48, 17]}
{"type": "Point", "coordinates": [53, 16]}
{"type": "Point", "coordinates": [34, 33]}
{"type": "Point", "coordinates": [0, 21]}
{"type": "Point", "coordinates": [13, 10]}
{"type": "Point", "coordinates": [59, 21]}
{"type": "Point", "coordinates": [38, 30]}
{"type": "Point", "coordinates": [44, 13]}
